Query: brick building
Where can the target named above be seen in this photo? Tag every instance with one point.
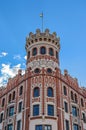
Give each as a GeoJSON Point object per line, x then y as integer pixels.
{"type": "Point", "coordinates": [42, 98]}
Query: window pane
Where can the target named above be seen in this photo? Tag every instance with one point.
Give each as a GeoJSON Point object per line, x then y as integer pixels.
{"type": "Point", "coordinates": [43, 50]}
{"type": "Point", "coordinates": [74, 111]}
{"type": "Point", "coordinates": [50, 92]}
{"type": "Point", "coordinates": [10, 126]}
{"type": "Point", "coordinates": [51, 51]}
{"type": "Point", "coordinates": [11, 111]}
{"type": "Point", "coordinates": [35, 110]}
{"type": "Point", "coordinates": [39, 127]}
{"type": "Point", "coordinates": [34, 51]}
{"type": "Point", "coordinates": [67, 124]}
{"type": "Point", "coordinates": [66, 106]}
{"type": "Point", "coordinates": [51, 110]}
{"type": "Point", "coordinates": [19, 125]}
{"type": "Point", "coordinates": [75, 126]}
{"type": "Point", "coordinates": [20, 107]}
{"type": "Point", "coordinates": [36, 92]}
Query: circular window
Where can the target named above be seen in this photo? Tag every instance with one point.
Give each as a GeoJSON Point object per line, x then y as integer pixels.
{"type": "Point", "coordinates": [37, 70]}
{"type": "Point", "coordinates": [49, 70]}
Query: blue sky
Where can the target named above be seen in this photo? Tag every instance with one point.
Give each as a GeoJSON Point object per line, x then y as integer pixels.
{"type": "Point", "coordinates": [67, 18]}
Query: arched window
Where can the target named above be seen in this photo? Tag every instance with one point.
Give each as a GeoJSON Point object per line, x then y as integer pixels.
{"type": "Point", "coordinates": [42, 50]}
{"type": "Point", "coordinates": [36, 92]}
{"type": "Point", "coordinates": [57, 55]}
{"type": "Point", "coordinates": [13, 95]}
{"type": "Point", "coordinates": [76, 100]}
{"type": "Point", "coordinates": [82, 103]}
{"type": "Point", "coordinates": [28, 55]}
{"type": "Point", "coordinates": [34, 52]}
{"type": "Point", "coordinates": [50, 92]}
{"type": "Point", "coordinates": [51, 51]}
{"type": "Point", "coordinates": [72, 95]}
{"type": "Point", "coordinates": [3, 102]}
{"type": "Point", "coordinates": [10, 98]}
{"type": "Point", "coordinates": [21, 90]}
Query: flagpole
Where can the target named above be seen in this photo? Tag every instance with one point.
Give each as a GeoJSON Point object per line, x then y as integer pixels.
{"type": "Point", "coordinates": [41, 15]}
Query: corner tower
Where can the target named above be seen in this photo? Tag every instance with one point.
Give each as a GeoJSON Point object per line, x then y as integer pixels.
{"type": "Point", "coordinates": [43, 64]}
{"type": "Point", "coordinates": [42, 50]}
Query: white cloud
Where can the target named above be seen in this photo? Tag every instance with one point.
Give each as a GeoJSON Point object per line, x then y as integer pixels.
{"type": "Point", "coordinates": [8, 72]}
{"type": "Point", "coordinates": [25, 57]}
{"type": "Point", "coordinates": [18, 57]}
{"type": "Point", "coordinates": [3, 54]}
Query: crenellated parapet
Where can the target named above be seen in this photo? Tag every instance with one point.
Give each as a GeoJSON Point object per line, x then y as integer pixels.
{"type": "Point", "coordinates": [42, 36]}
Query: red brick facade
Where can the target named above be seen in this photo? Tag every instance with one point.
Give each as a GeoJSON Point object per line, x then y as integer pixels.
{"type": "Point", "coordinates": [42, 98]}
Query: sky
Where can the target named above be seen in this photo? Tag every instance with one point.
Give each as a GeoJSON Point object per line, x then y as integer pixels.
{"type": "Point", "coordinates": [65, 17]}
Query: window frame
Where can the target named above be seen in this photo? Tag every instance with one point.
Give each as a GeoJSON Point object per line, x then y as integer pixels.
{"type": "Point", "coordinates": [50, 110]}
{"type": "Point", "coordinates": [43, 52]}
{"type": "Point", "coordinates": [34, 51]}
{"type": "Point", "coordinates": [50, 92]}
{"type": "Point", "coordinates": [20, 107]}
{"type": "Point", "coordinates": [36, 92]}
{"type": "Point", "coordinates": [36, 108]}
{"type": "Point", "coordinates": [51, 51]}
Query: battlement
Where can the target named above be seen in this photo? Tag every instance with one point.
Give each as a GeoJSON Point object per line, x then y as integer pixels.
{"type": "Point", "coordinates": [42, 36]}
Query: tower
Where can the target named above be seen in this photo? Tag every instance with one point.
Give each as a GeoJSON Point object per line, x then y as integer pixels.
{"type": "Point", "coordinates": [43, 63]}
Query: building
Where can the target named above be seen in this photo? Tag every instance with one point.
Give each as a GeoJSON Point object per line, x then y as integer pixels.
{"type": "Point", "coordinates": [42, 98]}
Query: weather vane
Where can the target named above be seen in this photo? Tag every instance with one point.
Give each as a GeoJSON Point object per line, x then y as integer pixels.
{"type": "Point", "coordinates": [41, 15]}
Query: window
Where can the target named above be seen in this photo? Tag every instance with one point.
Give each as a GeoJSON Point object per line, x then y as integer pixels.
{"type": "Point", "coordinates": [74, 111]}
{"type": "Point", "coordinates": [43, 127]}
{"type": "Point", "coordinates": [21, 90]}
{"type": "Point", "coordinates": [43, 50]}
{"type": "Point", "coordinates": [57, 55]}
{"type": "Point", "coordinates": [20, 107]}
{"type": "Point", "coordinates": [3, 102]}
{"type": "Point", "coordinates": [75, 127]}
{"type": "Point", "coordinates": [49, 70]}
{"type": "Point", "coordinates": [10, 127]}
{"type": "Point", "coordinates": [76, 98]}
{"type": "Point", "coordinates": [39, 127]}
{"type": "Point", "coordinates": [11, 111]}
{"type": "Point", "coordinates": [35, 110]}
{"type": "Point", "coordinates": [51, 51]}
{"type": "Point", "coordinates": [13, 95]}
{"type": "Point", "coordinates": [50, 92]}
{"type": "Point", "coordinates": [82, 103]}
{"type": "Point", "coordinates": [19, 125]}
{"type": "Point", "coordinates": [67, 124]}
{"type": "Point", "coordinates": [36, 92]}
{"type": "Point", "coordinates": [28, 55]}
{"type": "Point", "coordinates": [72, 95]}
{"type": "Point", "coordinates": [66, 106]}
{"type": "Point", "coordinates": [1, 117]}
{"type": "Point", "coordinates": [34, 52]}
{"type": "Point", "coordinates": [65, 90]}
{"type": "Point", "coordinates": [50, 110]}
{"type": "Point", "coordinates": [83, 117]}
{"type": "Point", "coordinates": [9, 98]}
{"type": "Point", "coordinates": [37, 70]}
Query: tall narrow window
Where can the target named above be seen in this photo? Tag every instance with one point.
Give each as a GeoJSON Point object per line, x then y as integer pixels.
{"type": "Point", "coordinates": [35, 110]}
{"type": "Point", "coordinates": [9, 98]}
{"type": "Point", "coordinates": [50, 110]}
{"type": "Point", "coordinates": [1, 117]}
{"type": "Point", "coordinates": [66, 106]}
{"type": "Point", "coordinates": [36, 92]}
{"type": "Point", "coordinates": [19, 125]}
{"type": "Point", "coordinates": [83, 117]}
{"type": "Point", "coordinates": [13, 95]}
{"type": "Point", "coordinates": [28, 56]}
{"type": "Point", "coordinates": [11, 111]}
{"type": "Point", "coordinates": [34, 51]}
{"type": "Point", "coordinates": [42, 50]}
{"type": "Point", "coordinates": [20, 107]}
{"type": "Point", "coordinates": [72, 95]}
{"type": "Point", "coordinates": [74, 111]}
{"type": "Point", "coordinates": [67, 124]}
{"type": "Point", "coordinates": [75, 127]}
{"type": "Point", "coordinates": [10, 127]}
{"type": "Point", "coordinates": [65, 90]}
{"type": "Point", "coordinates": [82, 103]}
{"type": "Point", "coordinates": [51, 51]}
{"type": "Point", "coordinates": [76, 100]}
{"type": "Point", "coordinates": [39, 127]}
{"type": "Point", "coordinates": [3, 102]}
{"type": "Point", "coordinates": [50, 92]}
{"type": "Point", "coordinates": [57, 55]}
{"type": "Point", "coordinates": [21, 90]}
